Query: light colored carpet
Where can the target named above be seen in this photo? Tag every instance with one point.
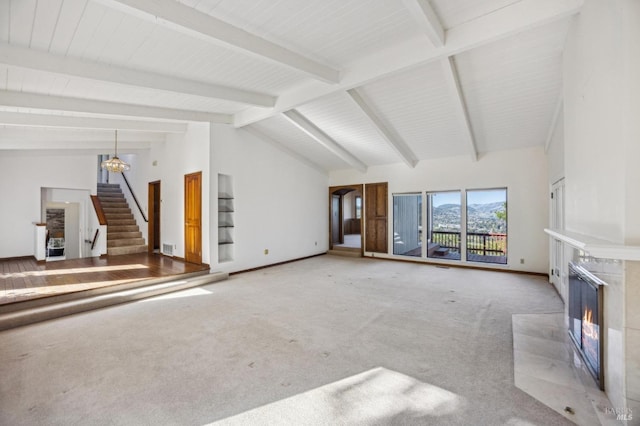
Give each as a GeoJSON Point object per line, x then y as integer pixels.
{"type": "Point", "coordinates": [327, 340]}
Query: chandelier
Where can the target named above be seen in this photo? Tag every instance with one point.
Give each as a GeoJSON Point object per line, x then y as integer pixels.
{"type": "Point", "coordinates": [114, 164]}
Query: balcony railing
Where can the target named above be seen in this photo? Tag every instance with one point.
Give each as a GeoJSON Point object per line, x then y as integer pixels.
{"type": "Point", "coordinates": [480, 244]}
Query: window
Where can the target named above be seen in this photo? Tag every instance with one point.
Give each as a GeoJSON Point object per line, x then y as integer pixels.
{"type": "Point", "coordinates": [444, 224]}
{"type": "Point", "coordinates": [487, 225]}
{"type": "Point", "coordinates": [407, 224]}
{"type": "Point", "coordinates": [358, 207]}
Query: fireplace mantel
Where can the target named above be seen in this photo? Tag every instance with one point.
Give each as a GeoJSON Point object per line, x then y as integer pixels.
{"type": "Point", "coordinates": [596, 247]}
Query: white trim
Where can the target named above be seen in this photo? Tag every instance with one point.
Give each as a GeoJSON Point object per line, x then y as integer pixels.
{"type": "Point", "coordinates": [596, 247]}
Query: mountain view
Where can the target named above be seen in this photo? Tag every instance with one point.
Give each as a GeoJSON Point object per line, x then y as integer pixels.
{"type": "Point", "coordinates": [481, 218]}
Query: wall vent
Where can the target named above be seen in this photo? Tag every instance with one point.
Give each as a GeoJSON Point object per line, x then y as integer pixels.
{"type": "Point", "coordinates": [167, 248]}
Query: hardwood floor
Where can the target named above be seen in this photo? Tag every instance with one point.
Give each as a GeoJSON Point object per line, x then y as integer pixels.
{"type": "Point", "coordinates": [24, 279]}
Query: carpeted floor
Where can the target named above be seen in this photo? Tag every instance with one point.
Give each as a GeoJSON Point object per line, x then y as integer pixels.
{"type": "Point", "coordinates": [327, 340]}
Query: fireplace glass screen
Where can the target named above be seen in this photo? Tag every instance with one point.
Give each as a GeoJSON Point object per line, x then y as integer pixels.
{"type": "Point", "coordinates": [585, 313]}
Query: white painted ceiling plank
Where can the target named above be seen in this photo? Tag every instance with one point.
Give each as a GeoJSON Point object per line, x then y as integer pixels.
{"type": "Point", "coordinates": [508, 21]}
{"type": "Point", "coordinates": [554, 122]}
{"type": "Point", "coordinates": [453, 84]}
{"type": "Point", "coordinates": [58, 103]}
{"type": "Point", "coordinates": [65, 121]}
{"type": "Point", "coordinates": [427, 19]}
{"type": "Point", "coordinates": [186, 19]}
{"type": "Point", "coordinates": [43, 61]}
{"type": "Point", "coordinates": [263, 137]}
{"type": "Point", "coordinates": [319, 136]}
{"type": "Point", "coordinates": [398, 145]}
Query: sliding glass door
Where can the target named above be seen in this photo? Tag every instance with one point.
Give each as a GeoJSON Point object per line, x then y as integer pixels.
{"type": "Point", "coordinates": [487, 225]}
{"type": "Point", "coordinates": [444, 221]}
{"type": "Point", "coordinates": [407, 224]}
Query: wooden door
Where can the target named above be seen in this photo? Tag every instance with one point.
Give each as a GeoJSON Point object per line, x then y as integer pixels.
{"type": "Point", "coordinates": [154, 217]}
{"type": "Point", "coordinates": [193, 217]}
{"type": "Point", "coordinates": [375, 203]}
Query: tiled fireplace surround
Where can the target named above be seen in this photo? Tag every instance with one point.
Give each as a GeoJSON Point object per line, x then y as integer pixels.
{"type": "Point", "coordinates": [619, 267]}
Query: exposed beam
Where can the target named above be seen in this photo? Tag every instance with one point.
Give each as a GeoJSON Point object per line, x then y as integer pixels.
{"type": "Point", "coordinates": [65, 121]}
{"type": "Point", "coordinates": [192, 22]}
{"type": "Point", "coordinates": [394, 141]}
{"type": "Point", "coordinates": [453, 85]}
{"type": "Point", "coordinates": [59, 103]}
{"type": "Point", "coordinates": [554, 122]}
{"type": "Point", "coordinates": [43, 61]}
{"type": "Point", "coordinates": [323, 139]}
{"type": "Point", "coordinates": [263, 137]}
{"type": "Point", "coordinates": [427, 19]}
{"type": "Point", "coordinates": [508, 21]}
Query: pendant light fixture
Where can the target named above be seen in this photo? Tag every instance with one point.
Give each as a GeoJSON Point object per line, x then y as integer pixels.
{"type": "Point", "coordinates": [114, 164]}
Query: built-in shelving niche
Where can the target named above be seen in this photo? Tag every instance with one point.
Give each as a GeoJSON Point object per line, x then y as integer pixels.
{"type": "Point", "coordinates": [226, 223]}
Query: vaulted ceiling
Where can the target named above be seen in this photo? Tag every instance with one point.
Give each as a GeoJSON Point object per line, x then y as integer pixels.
{"type": "Point", "coordinates": [338, 83]}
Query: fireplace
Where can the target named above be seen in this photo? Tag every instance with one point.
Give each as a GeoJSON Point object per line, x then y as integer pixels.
{"type": "Point", "coordinates": [585, 318]}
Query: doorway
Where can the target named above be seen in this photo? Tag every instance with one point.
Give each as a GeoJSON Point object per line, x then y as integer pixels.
{"type": "Point", "coordinates": [63, 231]}
{"type": "Point", "coordinates": [154, 217]}
{"type": "Point", "coordinates": [557, 247]}
{"type": "Point", "coordinates": [345, 218]}
{"type": "Point", "coordinates": [193, 218]}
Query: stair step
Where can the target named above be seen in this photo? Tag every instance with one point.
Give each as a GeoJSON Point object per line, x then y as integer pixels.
{"type": "Point", "coordinates": [123, 228]}
{"type": "Point", "coordinates": [108, 185]}
{"type": "Point", "coordinates": [121, 222]}
{"type": "Point", "coordinates": [109, 188]}
{"type": "Point", "coordinates": [46, 308]}
{"type": "Point", "coordinates": [122, 242]}
{"type": "Point", "coordinates": [115, 251]}
{"type": "Point", "coordinates": [116, 216]}
{"type": "Point", "coordinates": [121, 235]}
{"type": "Point", "coordinates": [114, 202]}
{"type": "Point", "coordinates": [115, 210]}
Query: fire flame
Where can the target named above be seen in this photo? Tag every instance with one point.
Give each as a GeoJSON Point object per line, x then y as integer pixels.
{"type": "Point", "coordinates": [589, 330]}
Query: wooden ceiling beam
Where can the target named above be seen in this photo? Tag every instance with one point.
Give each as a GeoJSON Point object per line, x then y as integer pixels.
{"type": "Point", "coordinates": [323, 139]}
{"type": "Point", "coordinates": [427, 19]}
{"type": "Point", "coordinates": [459, 106]}
{"type": "Point", "coordinates": [505, 22]}
{"type": "Point", "coordinates": [73, 122]}
{"type": "Point", "coordinates": [21, 57]}
{"type": "Point", "coordinates": [60, 103]}
{"type": "Point", "coordinates": [185, 19]}
{"type": "Point", "coordinates": [390, 137]}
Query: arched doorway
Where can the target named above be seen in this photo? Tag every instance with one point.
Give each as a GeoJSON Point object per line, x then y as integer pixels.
{"type": "Point", "coordinates": [346, 211]}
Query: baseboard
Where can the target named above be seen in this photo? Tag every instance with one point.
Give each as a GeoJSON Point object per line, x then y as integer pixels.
{"type": "Point", "coordinates": [455, 265]}
{"type": "Point", "coordinates": [276, 264]}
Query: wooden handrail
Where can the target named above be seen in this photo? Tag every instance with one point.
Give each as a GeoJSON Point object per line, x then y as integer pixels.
{"type": "Point", "coordinates": [134, 198]}
{"type": "Point", "coordinates": [102, 219]}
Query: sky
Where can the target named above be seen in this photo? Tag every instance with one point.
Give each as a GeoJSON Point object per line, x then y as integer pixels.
{"type": "Point", "coordinates": [473, 197]}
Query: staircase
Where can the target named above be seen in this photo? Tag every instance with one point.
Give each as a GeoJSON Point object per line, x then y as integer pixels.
{"type": "Point", "coordinates": [123, 234]}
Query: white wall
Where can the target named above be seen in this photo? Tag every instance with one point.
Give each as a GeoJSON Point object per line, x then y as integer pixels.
{"type": "Point", "coordinates": [523, 172]}
{"type": "Point", "coordinates": [280, 203]}
{"type": "Point", "coordinates": [555, 152]}
{"type": "Point", "coordinates": [181, 154]}
{"type": "Point", "coordinates": [600, 111]}
{"type": "Point", "coordinates": [22, 174]}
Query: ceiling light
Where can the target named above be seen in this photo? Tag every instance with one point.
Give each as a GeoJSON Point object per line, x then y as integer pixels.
{"type": "Point", "coordinates": [114, 164]}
